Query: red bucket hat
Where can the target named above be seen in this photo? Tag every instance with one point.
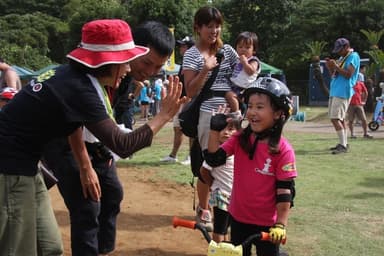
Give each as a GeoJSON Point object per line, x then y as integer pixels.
{"type": "Point", "coordinates": [106, 42]}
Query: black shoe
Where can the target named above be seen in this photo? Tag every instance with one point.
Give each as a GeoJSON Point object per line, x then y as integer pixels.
{"type": "Point", "coordinates": [340, 149]}
{"type": "Point", "coordinates": [335, 147]}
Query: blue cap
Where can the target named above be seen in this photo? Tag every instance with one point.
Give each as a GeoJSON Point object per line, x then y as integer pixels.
{"type": "Point", "coordinates": [340, 44]}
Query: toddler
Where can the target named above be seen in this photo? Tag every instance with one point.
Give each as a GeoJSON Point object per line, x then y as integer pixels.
{"type": "Point", "coordinates": [246, 70]}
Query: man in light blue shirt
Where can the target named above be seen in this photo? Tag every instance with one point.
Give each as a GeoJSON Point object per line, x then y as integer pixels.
{"type": "Point", "coordinates": [344, 72]}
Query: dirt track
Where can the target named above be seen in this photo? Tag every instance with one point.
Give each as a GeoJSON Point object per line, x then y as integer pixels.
{"type": "Point", "coordinates": [144, 224]}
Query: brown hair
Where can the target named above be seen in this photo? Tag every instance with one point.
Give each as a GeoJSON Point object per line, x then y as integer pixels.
{"type": "Point", "coordinates": [248, 38]}
{"type": "Point", "coordinates": [204, 16]}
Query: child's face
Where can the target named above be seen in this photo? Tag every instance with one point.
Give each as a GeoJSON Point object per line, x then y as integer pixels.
{"type": "Point", "coordinates": [260, 113]}
{"type": "Point", "coordinates": [226, 133]}
{"type": "Point", "coordinates": [245, 48]}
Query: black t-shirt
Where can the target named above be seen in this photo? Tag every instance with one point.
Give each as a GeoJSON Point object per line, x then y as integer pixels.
{"type": "Point", "coordinates": [181, 78]}
{"type": "Point", "coordinates": [51, 106]}
{"type": "Point", "coordinates": [121, 101]}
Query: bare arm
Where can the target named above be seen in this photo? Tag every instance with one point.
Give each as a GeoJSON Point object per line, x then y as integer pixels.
{"type": "Point", "coordinates": [88, 176]}
{"type": "Point", "coordinates": [249, 67]}
{"type": "Point", "coordinates": [139, 85]}
{"type": "Point", "coordinates": [194, 80]}
{"type": "Point", "coordinates": [347, 73]}
{"type": "Point", "coordinates": [364, 94]}
{"type": "Point", "coordinates": [283, 207]}
{"type": "Point", "coordinates": [11, 78]}
{"type": "Point", "coordinates": [333, 67]}
{"type": "Point", "coordinates": [125, 144]}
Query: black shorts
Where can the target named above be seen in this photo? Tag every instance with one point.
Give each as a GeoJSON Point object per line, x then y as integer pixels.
{"type": "Point", "coordinates": [222, 220]}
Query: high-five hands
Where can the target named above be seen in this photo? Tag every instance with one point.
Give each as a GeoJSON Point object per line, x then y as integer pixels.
{"type": "Point", "coordinates": [170, 105]}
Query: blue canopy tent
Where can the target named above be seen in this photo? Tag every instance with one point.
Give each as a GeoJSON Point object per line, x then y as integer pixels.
{"type": "Point", "coordinates": [43, 70]}
{"type": "Point", "coordinates": [22, 72]}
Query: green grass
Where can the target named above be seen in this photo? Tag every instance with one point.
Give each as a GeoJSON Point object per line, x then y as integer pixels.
{"type": "Point", "coordinates": [339, 207]}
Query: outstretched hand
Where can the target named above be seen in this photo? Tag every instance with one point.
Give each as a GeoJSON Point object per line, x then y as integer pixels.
{"type": "Point", "coordinates": [222, 117]}
{"type": "Point", "coordinates": [170, 105]}
{"type": "Point", "coordinates": [219, 119]}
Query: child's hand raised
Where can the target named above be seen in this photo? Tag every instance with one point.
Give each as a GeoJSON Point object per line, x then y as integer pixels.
{"type": "Point", "coordinates": [220, 118]}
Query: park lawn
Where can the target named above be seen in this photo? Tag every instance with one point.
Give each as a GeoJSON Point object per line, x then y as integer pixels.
{"type": "Point", "coordinates": [339, 207]}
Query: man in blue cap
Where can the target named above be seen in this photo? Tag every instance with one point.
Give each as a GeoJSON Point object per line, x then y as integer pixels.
{"type": "Point", "coordinates": [344, 73]}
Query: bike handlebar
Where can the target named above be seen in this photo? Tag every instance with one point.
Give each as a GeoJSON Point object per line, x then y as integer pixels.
{"type": "Point", "coordinates": [179, 222]}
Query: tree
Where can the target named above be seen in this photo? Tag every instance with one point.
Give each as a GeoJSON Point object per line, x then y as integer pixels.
{"type": "Point", "coordinates": [78, 12]}
{"type": "Point", "coordinates": [50, 7]}
{"type": "Point", "coordinates": [27, 38]}
{"type": "Point", "coordinates": [315, 51]}
{"type": "Point", "coordinates": [172, 13]}
{"type": "Point", "coordinates": [269, 19]}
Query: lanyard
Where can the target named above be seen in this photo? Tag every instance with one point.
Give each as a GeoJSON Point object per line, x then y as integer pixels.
{"type": "Point", "coordinates": [103, 95]}
{"type": "Point", "coordinates": [341, 65]}
{"type": "Point", "coordinates": [107, 102]}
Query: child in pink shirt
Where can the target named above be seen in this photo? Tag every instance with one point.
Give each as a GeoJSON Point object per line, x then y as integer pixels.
{"type": "Point", "coordinates": [264, 166]}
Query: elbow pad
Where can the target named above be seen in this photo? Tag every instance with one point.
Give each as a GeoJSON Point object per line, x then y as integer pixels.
{"type": "Point", "coordinates": [290, 184]}
{"type": "Point", "coordinates": [215, 159]}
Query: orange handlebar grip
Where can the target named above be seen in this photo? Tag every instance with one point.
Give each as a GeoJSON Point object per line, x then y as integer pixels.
{"type": "Point", "coordinates": [265, 237]}
{"type": "Point", "coordinates": [183, 223]}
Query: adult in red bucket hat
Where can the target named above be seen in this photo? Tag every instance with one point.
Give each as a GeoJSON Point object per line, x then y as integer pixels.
{"type": "Point", "coordinates": [93, 223]}
{"type": "Point", "coordinates": [59, 103]}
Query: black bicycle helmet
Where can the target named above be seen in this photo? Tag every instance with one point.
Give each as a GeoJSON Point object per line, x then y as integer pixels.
{"type": "Point", "coordinates": [276, 89]}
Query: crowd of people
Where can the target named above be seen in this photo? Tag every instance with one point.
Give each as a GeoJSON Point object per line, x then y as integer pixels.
{"type": "Point", "coordinates": [80, 130]}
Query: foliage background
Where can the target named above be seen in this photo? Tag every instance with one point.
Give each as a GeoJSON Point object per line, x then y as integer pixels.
{"type": "Point", "coordinates": [34, 34]}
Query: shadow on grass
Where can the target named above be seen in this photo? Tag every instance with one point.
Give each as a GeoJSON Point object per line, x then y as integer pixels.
{"type": "Point", "coordinates": [365, 195]}
{"type": "Point", "coordinates": [312, 152]}
{"type": "Point", "coordinates": [373, 182]}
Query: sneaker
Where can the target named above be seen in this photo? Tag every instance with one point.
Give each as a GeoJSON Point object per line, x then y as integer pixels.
{"type": "Point", "coordinates": [368, 136]}
{"type": "Point", "coordinates": [204, 218]}
{"type": "Point", "coordinates": [187, 161]}
{"type": "Point", "coordinates": [337, 145]}
{"type": "Point", "coordinates": [169, 159]}
{"type": "Point", "coordinates": [353, 137]}
{"type": "Point", "coordinates": [339, 149]}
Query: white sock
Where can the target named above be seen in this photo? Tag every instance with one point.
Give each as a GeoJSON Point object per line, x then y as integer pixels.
{"type": "Point", "coordinates": [345, 137]}
{"type": "Point", "coordinates": [342, 137]}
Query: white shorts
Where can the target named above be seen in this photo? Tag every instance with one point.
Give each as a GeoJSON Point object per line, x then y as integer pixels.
{"type": "Point", "coordinates": [337, 108]}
